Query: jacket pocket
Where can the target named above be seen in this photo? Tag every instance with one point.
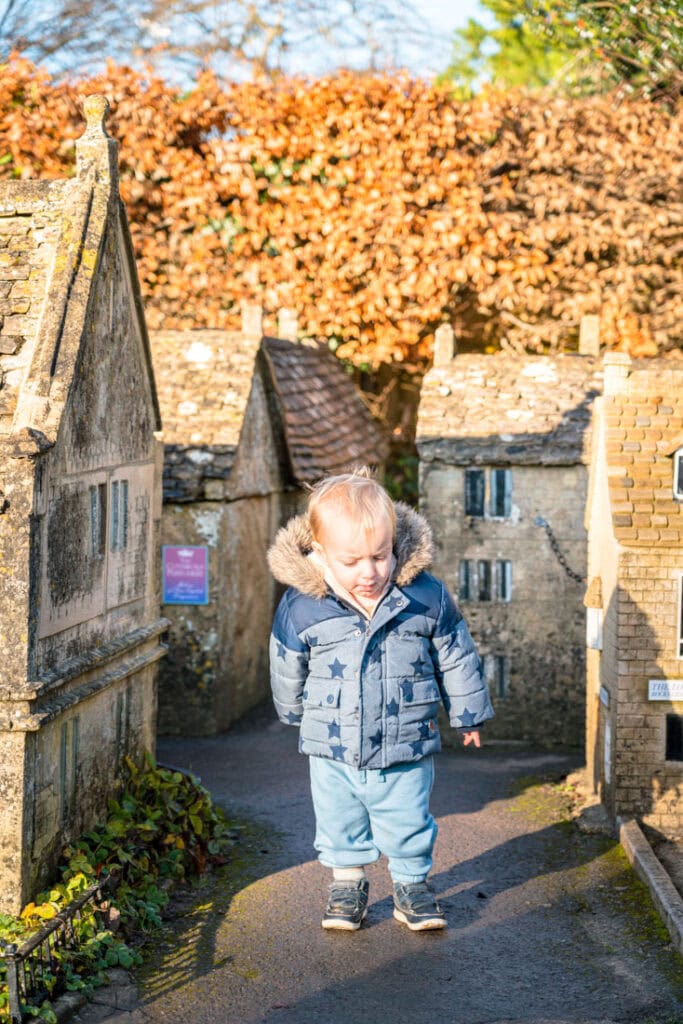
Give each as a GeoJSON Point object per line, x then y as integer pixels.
{"type": "Point", "coordinates": [321, 695]}
{"type": "Point", "coordinates": [419, 706]}
{"type": "Point", "coordinates": [321, 720]}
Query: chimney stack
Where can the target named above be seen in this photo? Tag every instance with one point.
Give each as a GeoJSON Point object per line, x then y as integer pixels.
{"type": "Point", "coordinates": [252, 320]}
{"type": "Point", "coordinates": [287, 325]}
{"type": "Point", "coordinates": [617, 367]}
{"type": "Point", "coordinates": [589, 335]}
{"type": "Point", "coordinates": [445, 347]}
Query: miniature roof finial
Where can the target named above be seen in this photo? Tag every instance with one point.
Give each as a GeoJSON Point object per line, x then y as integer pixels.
{"type": "Point", "coordinates": [95, 109]}
{"type": "Point", "coordinates": [95, 146]}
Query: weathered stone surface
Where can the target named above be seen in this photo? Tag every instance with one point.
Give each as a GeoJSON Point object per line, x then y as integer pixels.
{"type": "Point", "coordinates": [540, 631]}
{"type": "Point", "coordinates": [79, 518]}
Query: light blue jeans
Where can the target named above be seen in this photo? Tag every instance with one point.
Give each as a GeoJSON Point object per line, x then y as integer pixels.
{"type": "Point", "coordinates": [362, 814]}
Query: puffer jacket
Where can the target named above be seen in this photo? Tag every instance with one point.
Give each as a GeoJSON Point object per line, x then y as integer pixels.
{"type": "Point", "coordinates": [367, 691]}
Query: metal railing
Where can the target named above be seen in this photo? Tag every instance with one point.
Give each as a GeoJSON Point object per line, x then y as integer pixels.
{"type": "Point", "coordinates": [34, 969]}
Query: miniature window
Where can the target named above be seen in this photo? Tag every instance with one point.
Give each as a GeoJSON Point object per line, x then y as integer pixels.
{"type": "Point", "coordinates": [484, 574]}
{"type": "Point", "coordinates": [503, 580]}
{"type": "Point", "coordinates": [678, 475]}
{"type": "Point", "coordinates": [98, 519]}
{"type": "Point", "coordinates": [497, 674]}
{"type": "Point", "coordinates": [466, 580]}
{"type": "Point", "coordinates": [119, 515]}
{"type": "Point", "coordinates": [500, 503]}
{"type": "Point", "coordinates": [68, 767]}
{"type": "Point", "coordinates": [483, 580]}
{"type": "Point", "coordinates": [594, 628]}
{"type": "Point", "coordinates": [674, 738]}
{"type": "Point", "coordinates": [475, 490]}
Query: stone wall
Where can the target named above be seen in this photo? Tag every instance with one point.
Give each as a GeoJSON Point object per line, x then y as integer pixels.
{"type": "Point", "coordinates": [217, 664]}
{"type": "Point", "coordinates": [537, 637]}
{"type": "Point", "coordinates": [644, 609]}
{"type": "Point", "coordinates": [80, 618]}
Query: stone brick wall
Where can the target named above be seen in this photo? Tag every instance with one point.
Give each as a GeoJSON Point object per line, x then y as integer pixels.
{"type": "Point", "coordinates": [540, 631]}
{"type": "Point", "coordinates": [645, 783]}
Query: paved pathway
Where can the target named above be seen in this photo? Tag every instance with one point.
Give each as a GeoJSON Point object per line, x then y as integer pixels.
{"type": "Point", "coordinates": [547, 925]}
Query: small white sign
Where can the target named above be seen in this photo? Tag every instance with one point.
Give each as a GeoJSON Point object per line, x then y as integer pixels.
{"type": "Point", "coordinates": [665, 689]}
{"type": "Point", "coordinates": [604, 696]}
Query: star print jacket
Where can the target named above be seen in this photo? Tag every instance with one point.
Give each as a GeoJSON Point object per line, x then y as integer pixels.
{"type": "Point", "coordinates": [367, 692]}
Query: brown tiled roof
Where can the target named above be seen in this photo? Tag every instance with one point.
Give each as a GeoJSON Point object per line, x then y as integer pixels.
{"type": "Point", "coordinates": [510, 409]}
{"type": "Point", "coordinates": [643, 426]}
{"type": "Point", "coordinates": [327, 426]}
{"type": "Point", "coordinates": [30, 228]}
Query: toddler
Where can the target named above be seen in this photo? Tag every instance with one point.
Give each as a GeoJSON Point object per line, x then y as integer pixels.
{"type": "Point", "coordinates": [365, 645]}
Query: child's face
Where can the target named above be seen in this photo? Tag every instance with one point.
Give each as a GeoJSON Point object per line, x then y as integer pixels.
{"type": "Point", "coordinates": [360, 558]}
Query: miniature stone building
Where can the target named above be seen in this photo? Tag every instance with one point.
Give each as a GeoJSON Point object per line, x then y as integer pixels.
{"type": "Point", "coordinates": [635, 597]}
{"type": "Point", "coordinates": [80, 506]}
{"type": "Point", "coordinates": [248, 422]}
{"type": "Point", "coordinates": [503, 446]}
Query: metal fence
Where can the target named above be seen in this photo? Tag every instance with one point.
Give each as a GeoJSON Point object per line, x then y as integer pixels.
{"type": "Point", "coordinates": [34, 969]}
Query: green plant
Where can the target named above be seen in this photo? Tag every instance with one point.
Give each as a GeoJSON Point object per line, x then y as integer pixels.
{"type": "Point", "coordinates": [161, 830]}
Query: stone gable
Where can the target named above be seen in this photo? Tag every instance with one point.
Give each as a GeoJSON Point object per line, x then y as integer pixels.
{"type": "Point", "coordinates": [30, 229]}
{"type": "Point", "coordinates": [643, 424]}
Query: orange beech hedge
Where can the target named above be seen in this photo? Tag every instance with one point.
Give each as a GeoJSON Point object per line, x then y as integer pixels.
{"type": "Point", "coordinates": [378, 207]}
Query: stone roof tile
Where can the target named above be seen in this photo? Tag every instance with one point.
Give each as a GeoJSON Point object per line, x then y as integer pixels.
{"type": "Point", "coordinates": [508, 409]}
{"type": "Point", "coordinates": [328, 427]}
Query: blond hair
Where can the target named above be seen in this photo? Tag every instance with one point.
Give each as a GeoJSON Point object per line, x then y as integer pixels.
{"type": "Point", "coordinates": [357, 494]}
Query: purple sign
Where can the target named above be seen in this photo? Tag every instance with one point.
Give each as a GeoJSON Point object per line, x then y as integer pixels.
{"type": "Point", "coordinates": [185, 574]}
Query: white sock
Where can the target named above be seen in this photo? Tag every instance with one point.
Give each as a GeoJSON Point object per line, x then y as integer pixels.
{"type": "Point", "coordinates": [349, 874]}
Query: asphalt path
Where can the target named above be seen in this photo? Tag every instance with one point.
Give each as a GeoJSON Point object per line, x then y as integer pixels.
{"type": "Point", "coordinates": [547, 925]}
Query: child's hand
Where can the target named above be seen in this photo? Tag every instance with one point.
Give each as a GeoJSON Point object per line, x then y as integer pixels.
{"type": "Point", "coordinates": [472, 737]}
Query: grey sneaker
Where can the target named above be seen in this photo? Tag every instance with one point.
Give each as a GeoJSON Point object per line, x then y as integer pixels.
{"type": "Point", "coordinates": [416, 906]}
{"type": "Point", "coordinates": [347, 905]}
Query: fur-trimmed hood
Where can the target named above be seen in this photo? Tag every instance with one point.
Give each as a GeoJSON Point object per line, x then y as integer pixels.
{"type": "Point", "coordinates": [289, 562]}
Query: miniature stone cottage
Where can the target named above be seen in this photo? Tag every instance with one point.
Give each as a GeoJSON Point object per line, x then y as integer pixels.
{"type": "Point", "coordinates": [635, 596]}
{"type": "Point", "coordinates": [503, 447]}
{"type": "Point", "coordinates": [248, 422]}
{"type": "Point", "coordinates": [80, 505]}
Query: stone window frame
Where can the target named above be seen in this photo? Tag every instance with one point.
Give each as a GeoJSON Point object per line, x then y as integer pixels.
{"type": "Point", "coordinates": [492, 491]}
{"type": "Point", "coordinates": [496, 669]}
{"type": "Point", "coordinates": [479, 577]}
{"type": "Point", "coordinates": [98, 519]}
{"type": "Point", "coordinates": [119, 517]}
